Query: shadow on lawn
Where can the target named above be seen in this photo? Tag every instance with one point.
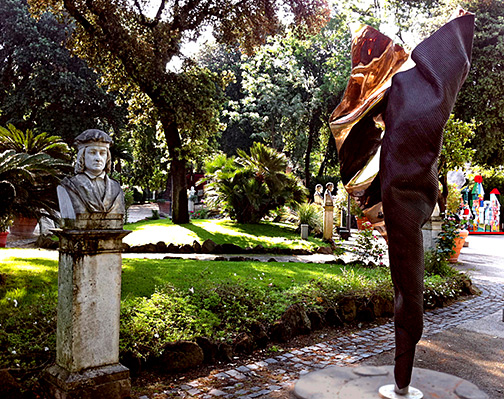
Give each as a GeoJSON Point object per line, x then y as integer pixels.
{"type": "Point", "coordinates": [221, 238]}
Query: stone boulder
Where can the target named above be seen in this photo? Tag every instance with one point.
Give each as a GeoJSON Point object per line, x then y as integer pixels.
{"type": "Point", "coordinates": [9, 388]}
{"type": "Point", "coordinates": [208, 246]}
{"type": "Point", "coordinates": [243, 343]}
{"type": "Point", "coordinates": [332, 318]}
{"type": "Point", "coordinates": [210, 349]}
{"type": "Point", "coordinates": [325, 250]}
{"type": "Point", "coordinates": [260, 335]}
{"type": "Point", "coordinates": [172, 249]}
{"type": "Point", "coordinates": [231, 249]}
{"type": "Point", "coordinates": [347, 310]}
{"type": "Point", "coordinates": [316, 320]}
{"type": "Point", "coordinates": [293, 322]}
{"type": "Point", "coordinates": [226, 352]}
{"type": "Point", "coordinates": [383, 307]}
{"type": "Point", "coordinates": [181, 355]}
{"type": "Point", "coordinates": [186, 249]}
{"type": "Point", "coordinates": [196, 247]}
{"type": "Point", "coordinates": [44, 241]}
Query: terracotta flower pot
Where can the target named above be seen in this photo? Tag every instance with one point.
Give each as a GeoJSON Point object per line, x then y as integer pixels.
{"type": "Point", "coordinates": [3, 238]}
{"type": "Point", "coordinates": [459, 243]}
{"type": "Point", "coordinates": [23, 227]}
{"type": "Point", "coordinates": [360, 223]}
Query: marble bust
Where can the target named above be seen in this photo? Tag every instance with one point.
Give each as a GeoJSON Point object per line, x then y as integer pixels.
{"type": "Point", "coordinates": [318, 196]}
{"type": "Point", "coordinates": [91, 190]}
{"type": "Point", "coordinates": [328, 198]}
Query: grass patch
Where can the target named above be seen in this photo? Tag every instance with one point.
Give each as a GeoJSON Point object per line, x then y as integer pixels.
{"type": "Point", "coordinates": [166, 300]}
{"type": "Point", "coordinates": [267, 234]}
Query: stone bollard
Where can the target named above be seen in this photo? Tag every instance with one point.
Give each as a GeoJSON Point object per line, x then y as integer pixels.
{"type": "Point", "coordinates": [304, 231]}
{"type": "Point", "coordinates": [430, 231]}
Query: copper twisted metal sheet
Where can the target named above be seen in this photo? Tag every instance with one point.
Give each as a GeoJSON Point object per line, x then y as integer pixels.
{"type": "Point", "coordinates": [388, 130]}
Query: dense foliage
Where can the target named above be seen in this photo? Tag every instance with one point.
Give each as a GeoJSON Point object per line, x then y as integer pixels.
{"type": "Point", "coordinates": [42, 85]}
{"type": "Point", "coordinates": [132, 43]}
{"type": "Point", "coordinates": [249, 187]}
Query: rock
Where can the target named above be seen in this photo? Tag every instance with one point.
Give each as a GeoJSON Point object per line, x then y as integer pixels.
{"type": "Point", "coordinates": [316, 320]}
{"type": "Point", "coordinates": [365, 312]}
{"type": "Point", "coordinates": [45, 241]}
{"type": "Point", "coordinates": [260, 335]}
{"type": "Point", "coordinates": [172, 249]}
{"type": "Point", "coordinates": [126, 247]}
{"type": "Point", "coordinates": [226, 352]}
{"type": "Point", "coordinates": [300, 251]}
{"type": "Point", "coordinates": [210, 349]}
{"type": "Point", "coordinates": [280, 332]}
{"type": "Point", "coordinates": [181, 355]}
{"type": "Point", "coordinates": [231, 249]}
{"type": "Point", "coordinates": [468, 288]}
{"type": "Point", "coordinates": [383, 307]}
{"type": "Point", "coordinates": [347, 310]}
{"type": "Point", "coordinates": [161, 247]}
{"type": "Point", "coordinates": [9, 388]}
{"type": "Point", "coordinates": [218, 249]}
{"type": "Point", "coordinates": [325, 250]}
{"type": "Point", "coordinates": [208, 247]}
{"type": "Point", "coordinates": [332, 318]}
{"type": "Point", "coordinates": [293, 322]}
{"type": "Point", "coordinates": [220, 259]}
{"type": "Point", "coordinates": [196, 247]}
{"type": "Point", "coordinates": [186, 249]}
{"type": "Point", "coordinates": [132, 362]}
{"type": "Point", "coordinates": [258, 249]}
{"type": "Point", "coordinates": [272, 260]}
{"type": "Point", "coordinates": [243, 343]}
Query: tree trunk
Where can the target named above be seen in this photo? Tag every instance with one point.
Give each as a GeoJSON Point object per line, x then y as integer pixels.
{"type": "Point", "coordinates": [314, 127]}
{"type": "Point", "coordinates": [180, 213]}
{"type": "Point", "coordinates": [443, 195]}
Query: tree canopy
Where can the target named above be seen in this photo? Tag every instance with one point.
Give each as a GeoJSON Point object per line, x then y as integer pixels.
{"type": "Point", "coordinates": [132, 42]}
{"type": "Point", "coordinates": [44, 87]}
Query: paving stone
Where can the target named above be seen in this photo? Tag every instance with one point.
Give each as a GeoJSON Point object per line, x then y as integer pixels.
{"type": "Point", "coordinates": [221, 375]}
{"type": "Point", "coordinates": [262, 364]}
{"type": "Point", "coordinates": [242, 392]}
{"type": "Point", "coordinates": [243, 369]}
{"type": "Point", "coordinates": [236, 374]}
{"type": "Point", "coordinates": [217, 392]}
{"type": "Point", "coordinates": [193, 391]}
{"type": "Point", "coordinates": [252, 366]}
{"type": "Point", "coordinates": [271, 361]}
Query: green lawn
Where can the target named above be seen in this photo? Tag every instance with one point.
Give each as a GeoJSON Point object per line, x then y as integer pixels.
{"type": "Point", "coordinates": [173, 299]}
{"type": "Point", "coordinates": [267, 234]}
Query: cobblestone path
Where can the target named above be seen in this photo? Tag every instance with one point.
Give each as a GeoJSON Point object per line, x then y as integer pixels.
{"type": "Point", "coordinates": [265, 377]}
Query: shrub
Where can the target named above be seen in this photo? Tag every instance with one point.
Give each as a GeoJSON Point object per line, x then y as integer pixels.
{"type": "Point", "coordinates": [250, 187]}
{"type": "Point", "coordinates": [368, 246]}
{"type": "Point", "coordinates": [437, 264]}
{"type": "Point", "coordinates": [312, 215]}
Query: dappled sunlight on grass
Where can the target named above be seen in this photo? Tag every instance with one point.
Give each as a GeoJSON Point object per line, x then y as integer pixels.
{"type": "Point", "coordinates": [220, 231]}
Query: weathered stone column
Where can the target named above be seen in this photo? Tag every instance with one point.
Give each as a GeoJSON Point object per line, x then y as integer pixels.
{"type": "Point", "coordinates": [328, 212]}
{"type": "Point", "coordinates": [89, 297]}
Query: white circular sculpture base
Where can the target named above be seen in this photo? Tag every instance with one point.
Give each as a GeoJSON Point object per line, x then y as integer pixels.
{"type": "Point", "coordinates": [365, 382]}
{"type": "Point", "coordinates": [388, 392]}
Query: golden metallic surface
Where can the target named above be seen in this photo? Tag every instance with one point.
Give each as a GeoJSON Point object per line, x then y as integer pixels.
{"type": "Point", "coordinates": [375, 60]}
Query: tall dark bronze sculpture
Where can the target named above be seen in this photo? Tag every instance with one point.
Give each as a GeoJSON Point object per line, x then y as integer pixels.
{"type": "Point", "coordinates": [388, 130]}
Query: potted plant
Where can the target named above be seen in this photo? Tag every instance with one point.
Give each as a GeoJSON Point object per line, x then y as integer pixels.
{"type": "Point", "coordinates": [164, 206]}
{"type": "Point", "coordinates": [452, 237]}
{"type": "Point", "coordinates": [5, 223]}
{"type": "Point", "coordinates": [359, 216]}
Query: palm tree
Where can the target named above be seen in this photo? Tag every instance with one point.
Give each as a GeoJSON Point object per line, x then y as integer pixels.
{"type": "Point", "coordinates": [251, 186]}
{"type": "Point", "coordinates": [28, 142]}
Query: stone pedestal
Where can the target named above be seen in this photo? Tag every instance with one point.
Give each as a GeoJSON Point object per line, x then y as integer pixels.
{"type": "Point", "coordinates": [89, 298]}
{"type": "Point", "coordinates": [328, 222]}
{"type": "Point", "coordinates": [304, 231]}
{"type": "Point", "coordinates": [430, 231]}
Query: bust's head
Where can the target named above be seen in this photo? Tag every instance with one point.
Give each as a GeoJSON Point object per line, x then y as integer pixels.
{"type": "Point", "coordinates": [93, 152]}
{"type": "Point", "coordinates": [318, 188]}
{"type": "Point", "coordinates": [329, 186]}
